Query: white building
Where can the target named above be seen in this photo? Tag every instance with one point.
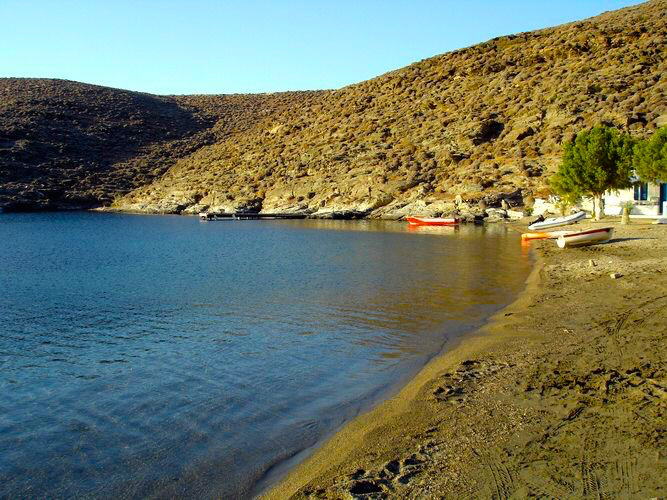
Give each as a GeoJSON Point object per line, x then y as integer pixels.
{"type": "Point", "coordinates": [647, 199]}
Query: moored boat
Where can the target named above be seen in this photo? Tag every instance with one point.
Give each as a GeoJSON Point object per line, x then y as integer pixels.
{"type": "Point", "coordinates": [558, 221]}
{"type": "Point", "coordinates": [588, 237]}
{"type": "Point", "coordinates": [215, 216]}
{"type": "Point", "coordinates": [544, 235]}
{"type": "Point", "coordinates": [432, 221]}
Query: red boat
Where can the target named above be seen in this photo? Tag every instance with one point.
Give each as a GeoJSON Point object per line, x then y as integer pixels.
{"type": "Point", "coordinates": [432, 221]}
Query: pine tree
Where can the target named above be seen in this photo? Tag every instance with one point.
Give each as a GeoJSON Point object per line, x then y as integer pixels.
{"type": "Point", "coordinates": [650, 160]}
{"type": "Point", "coordinates": [597, 160]}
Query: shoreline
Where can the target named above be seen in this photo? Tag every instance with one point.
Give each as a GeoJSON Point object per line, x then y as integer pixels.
{"type": "Point", "coordinates": [276, 474]}
{"type": "Point", "coordinates": [470, 344]}
{"type": "Point", "coordinates": [498, 413]}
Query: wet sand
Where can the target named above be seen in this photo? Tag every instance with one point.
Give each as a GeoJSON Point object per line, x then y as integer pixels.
{"type": "Point", "coordinates": [563, 394]}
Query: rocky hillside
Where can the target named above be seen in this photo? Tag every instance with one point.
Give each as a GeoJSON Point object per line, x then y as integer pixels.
{"type": "Point", "coordinates": [71, 145]}
{"type": "Point", "coordinates": [476, 125]}
{"type": "Point", "coordinates": [482, 123]}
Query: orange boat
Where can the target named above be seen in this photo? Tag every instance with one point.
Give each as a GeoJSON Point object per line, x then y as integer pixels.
{"type": "Point", "coordinates": [545, 235]}
{"type": "Point", "coordinates": [432, 221]}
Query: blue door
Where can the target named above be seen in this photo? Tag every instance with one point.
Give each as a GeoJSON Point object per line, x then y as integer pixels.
{"type": "Point", "coordinates": [663, 196]}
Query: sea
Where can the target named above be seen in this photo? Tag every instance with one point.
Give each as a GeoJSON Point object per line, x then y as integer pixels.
{"type": "Point", "coordinates": [166, 356]}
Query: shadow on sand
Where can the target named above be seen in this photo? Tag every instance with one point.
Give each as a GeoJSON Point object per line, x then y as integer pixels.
{"type": "Point", "coordinates": [619, 240]}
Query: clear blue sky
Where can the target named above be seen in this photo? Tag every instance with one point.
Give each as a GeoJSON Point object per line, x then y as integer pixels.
{"type": "Point", "coordinates": [225, 46]}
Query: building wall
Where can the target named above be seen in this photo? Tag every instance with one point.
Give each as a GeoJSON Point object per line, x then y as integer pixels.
{"type": "Point", "coordinates": [614, 201]}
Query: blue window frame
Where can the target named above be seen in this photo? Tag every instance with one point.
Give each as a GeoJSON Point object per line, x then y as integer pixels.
{"type": "Point", "coordinates": [641, 191]}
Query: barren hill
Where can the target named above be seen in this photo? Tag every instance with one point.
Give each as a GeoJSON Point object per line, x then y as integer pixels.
{"type": "Point", "coordinates": [482, 123]}
{"type": "Point", "coordinates": [65, 144]}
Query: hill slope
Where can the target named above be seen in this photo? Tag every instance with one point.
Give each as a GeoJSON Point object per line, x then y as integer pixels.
{"type": "Point", "coordinates": [72, 145]}
{"type": "Point", "coordinates": [482, 123]}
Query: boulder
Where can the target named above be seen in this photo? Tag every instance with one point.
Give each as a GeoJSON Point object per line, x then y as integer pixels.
{"type": "Point", "coordinates": [495, 215]}
{"type": "Point", "coordinates": [542, 206]}
{"type": "Point", "coordinates": [515, 214]}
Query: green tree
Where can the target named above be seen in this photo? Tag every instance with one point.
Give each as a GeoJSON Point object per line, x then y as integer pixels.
{"type": "Point", "coordinates": [650, 160]}
{"type": "Point", "coordinates": [597, 161]}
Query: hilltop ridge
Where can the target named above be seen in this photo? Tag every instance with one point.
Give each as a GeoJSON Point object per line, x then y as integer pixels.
{"type": "Point", "coordinates": [479, 124]}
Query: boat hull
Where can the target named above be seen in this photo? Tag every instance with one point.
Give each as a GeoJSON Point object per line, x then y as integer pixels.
{"type": "Point", "coordinates": [544, 235]}
{"type": "Point", "coordinates": [582, 238]}
{"type": "Point", "coordinates": [558, 221]}
{"type": "Point", "coordinates": [432, 221]}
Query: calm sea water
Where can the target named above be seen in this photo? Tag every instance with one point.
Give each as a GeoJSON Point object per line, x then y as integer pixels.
{"type": "Point", "coordinates": [161, 356]}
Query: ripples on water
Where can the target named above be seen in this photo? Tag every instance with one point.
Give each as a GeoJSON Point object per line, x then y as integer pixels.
{"type": "Point", "coordinates": [165, 356]}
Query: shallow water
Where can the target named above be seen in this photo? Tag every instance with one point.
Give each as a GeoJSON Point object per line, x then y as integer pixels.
{"type": "Point", "coordinates": [161, 356]}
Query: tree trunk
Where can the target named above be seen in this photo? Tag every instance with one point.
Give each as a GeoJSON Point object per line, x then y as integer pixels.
{"type": "Point", "coordinates": [597, 206]}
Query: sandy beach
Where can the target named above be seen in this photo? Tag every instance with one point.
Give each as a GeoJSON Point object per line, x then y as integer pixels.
{"type": "Point", "coordinates": [563, 394]}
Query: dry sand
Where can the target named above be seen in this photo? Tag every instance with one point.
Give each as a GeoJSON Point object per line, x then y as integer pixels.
{"type": "Point", "coordinates": [563, 394]}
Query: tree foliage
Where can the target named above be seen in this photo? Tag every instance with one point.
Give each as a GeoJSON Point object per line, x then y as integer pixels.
{"type": "Point", "coordinates": [596, 161]}
{"type": "Point", "coordinates": [650, 160]}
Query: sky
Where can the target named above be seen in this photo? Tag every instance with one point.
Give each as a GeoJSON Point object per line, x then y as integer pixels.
{"type": "Point", "coordinates": [246, 46]}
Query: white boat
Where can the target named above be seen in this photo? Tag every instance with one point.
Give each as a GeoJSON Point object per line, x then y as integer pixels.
{"type": "Point", "coordinates": [214, 216]}
{"type": "Point", "coordinates": [588, 237]}
{"type": "Point", "coordinates": [558, 221]}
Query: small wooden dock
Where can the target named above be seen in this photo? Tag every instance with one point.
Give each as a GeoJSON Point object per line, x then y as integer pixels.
{"type": "Point", "coordinates": [212, 216]}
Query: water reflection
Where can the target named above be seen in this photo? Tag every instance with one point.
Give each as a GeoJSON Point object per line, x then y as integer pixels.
{"type": "Point", "coordinates": [432, 229]}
